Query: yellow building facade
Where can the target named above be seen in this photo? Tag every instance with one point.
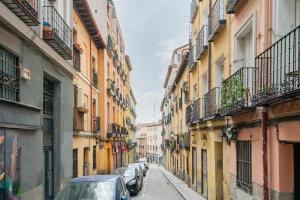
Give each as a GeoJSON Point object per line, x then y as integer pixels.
{"type": "Point", "coordinates": [209, 64]}
{"type": "Point", "coordinates": [86, 117]}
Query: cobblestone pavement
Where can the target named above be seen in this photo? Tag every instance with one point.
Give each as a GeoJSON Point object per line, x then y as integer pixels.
{"type": "Point", "coordinates": [157, 187]}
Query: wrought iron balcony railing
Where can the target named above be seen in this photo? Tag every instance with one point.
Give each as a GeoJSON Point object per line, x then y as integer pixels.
{"type": "Point", "coordinates": [9, 76]}
{"type": "Point", "coordinates": [95, 79]}
{"type": "Point", "coordinates": [111, 87]}
{"type": "Point", "coordinates": [236, 91]}
{"type": "Point", "coordinates": [110, 45]}
{"type": "Point", "coordinates": [56, 32]}
{"type": "Point", "coordinates": [277, 72]}
{"type": "Point", "coordinates": [109, 133]}
{"type": "Point", "coordinates": [216, 19]}
{"type": "Point", "coordinates": [232, 5]}
{"type": "Point", "coordinates": [96, 124]}
{"type": "Point", "coordinates": [192, 62]}
{"type": "Point", "coordinates": [201, 42]}
{"type": "Point", "coordinates": [194, 9]}
{"type": "Point", "coordinates": [184, 140]}
{"type": "Point", "coordinates": [26, 10]}
{"type": "Point", "coordinates": [116, 59]}
{"type": "Point", "coordinates": [212, 103]}
{"type": "Point", "coordinates": [194, 112]}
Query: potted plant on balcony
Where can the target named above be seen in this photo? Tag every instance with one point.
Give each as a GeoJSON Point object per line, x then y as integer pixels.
{"type": "Point", "coordinates": [267, 93]}
{"type": "Point", "coordinates": [291, 82]}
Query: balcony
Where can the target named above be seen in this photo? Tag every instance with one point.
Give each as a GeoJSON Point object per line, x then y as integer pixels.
{"type": "Point", "coordinates": [216, 19]}
{"type": "Point", "coordinates": [192, 62]}
{"type": "Point", "coordinates": [95, 79]}
{"type": "Point", "coordinates": [277, 72]}
{"type": "Point", "coordinates": [96, 125]}
{"type": "Point", "coordinates": [232, 6]}
{"type": "Point", "coordinates": [109, 133]}
{"type": "Point", "coordinates": [194, 112]}
{"type": "Point", "coordinates": [78, 120]}
{"type": "Point", "coordinates": [201, 42]}
{"type": "Point", "coordinates": [184, 140]}
{"type": "Point", "coordinates": [236, 92]}
{"type": "Point", "coordinates": [116, 59]}
{"type": "Point", "coordinates": [124, 131]}
{"type": "Point", "coordinates": [111, 87]}
{"type": "Point", "coordinates": [212, 103]}
{"type": "Point", "coordinates": [26, 10]}
{"type": "Point", "coordinates": [110, 45]}
{"type": "Point", "coordinates": [194, 9]}
{"type": "Point", "coordinates": [117, 96]}
{"type": "Point", "coordinates": [56, 32]}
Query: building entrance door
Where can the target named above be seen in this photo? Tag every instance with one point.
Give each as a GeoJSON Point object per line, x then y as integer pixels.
{"type": "Point", "coordinates": [296, 171]}
{"type": "Point", "coordinates": [204, 172]}
{"type": "Point", "coordinates": [48, 162]}
{"type": "Point", "coordinates": [194, 166]}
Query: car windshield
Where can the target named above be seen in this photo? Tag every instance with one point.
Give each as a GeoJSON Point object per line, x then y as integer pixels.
{"type": "Point", "coordinates": [126, 172]}
{"type": "Point", "coordinates": [88, 191]}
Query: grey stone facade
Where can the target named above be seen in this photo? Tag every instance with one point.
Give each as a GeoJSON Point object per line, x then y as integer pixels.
{"type": "Point", "coordinates": [26, 116]}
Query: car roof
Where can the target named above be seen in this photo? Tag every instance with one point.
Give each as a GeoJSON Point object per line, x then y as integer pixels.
{"type": "Point", "coordinates": [99, 178]}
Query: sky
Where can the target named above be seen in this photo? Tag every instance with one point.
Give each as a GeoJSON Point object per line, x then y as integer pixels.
{"type": "Point", "coordinates": [152, 29]}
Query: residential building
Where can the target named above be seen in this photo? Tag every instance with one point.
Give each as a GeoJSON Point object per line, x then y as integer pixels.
{"type": "Point", "coordinates": [112, 102]}
{"type": "Point", "coordinates": [130, 115]}
{"type": "Point", "coordinates": [177, 145]}
{"type": "Point", "coordinates": [242, 84]}
{"type": "Point", "coordinates": [35, 83]}
{"type": "Point", "coordinates": [167, 108]}
{"type": "Point", "coordinates": [87, 48]}
{"type": "Point", "coordinates": [141, 138]}
{"type": "Point", "coordinates": [209, 63]}
{"type": "Point", "coordinates": [150, 142]}
{"type": "Point", "coordinates": [263, 113]}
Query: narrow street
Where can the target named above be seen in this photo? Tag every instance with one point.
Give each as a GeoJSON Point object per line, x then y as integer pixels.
{"type": "Point", "coordinates": [157, 186]}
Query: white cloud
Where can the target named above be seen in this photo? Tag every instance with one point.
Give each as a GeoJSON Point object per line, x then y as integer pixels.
{"type": "Point", "coordinates": [165, 49]}
{"type": "Point", "coordinates": [145, 107]}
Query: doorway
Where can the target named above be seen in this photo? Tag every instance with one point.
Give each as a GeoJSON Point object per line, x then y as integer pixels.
{"type": "Point", "coordinates": [194, 166]}
{"type": "Point", "coordinates": [204, 187]}
{"type": "Point", "coordinates": [296, 171]}
{"type": "Point", "coordinates": [48, 162]}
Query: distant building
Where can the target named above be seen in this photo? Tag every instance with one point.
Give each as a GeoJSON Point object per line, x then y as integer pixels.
{"type": "Point", "coordinates": [149, 141]}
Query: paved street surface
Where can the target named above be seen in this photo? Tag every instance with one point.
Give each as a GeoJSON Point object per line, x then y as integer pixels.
{"type": "Point", "coordinates": [157, 187]}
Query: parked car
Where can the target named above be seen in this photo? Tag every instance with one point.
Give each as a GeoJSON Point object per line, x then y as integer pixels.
{"type": "Point", "coordinates": [142, 166]}
{"type": "Point", "coordinates": [132, 178]}
{"type": "Point", "coordinates": [138, 167]}
{"type": "Point", "coordinates": [104, 187]}
{"type": "Point", "coordinates": [145, 164]}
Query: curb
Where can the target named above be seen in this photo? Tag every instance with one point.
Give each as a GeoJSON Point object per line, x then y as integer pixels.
{"type": "Point", "coordinates": [174, 185]}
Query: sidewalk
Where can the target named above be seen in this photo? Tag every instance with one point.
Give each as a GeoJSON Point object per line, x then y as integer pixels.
{"type": "Point", "coordinates": [186, 192]}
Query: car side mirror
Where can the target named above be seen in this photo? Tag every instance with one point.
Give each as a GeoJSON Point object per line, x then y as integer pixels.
{"type": "Point", "coordinates": [123, 198]}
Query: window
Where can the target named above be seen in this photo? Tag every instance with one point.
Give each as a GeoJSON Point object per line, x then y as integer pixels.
{"type": "Point", "coordinates": [75, 163]}
{"type": "Point", "coordinates": [94, 157]}
{"type": "Point", "coordinates": [244, 166]}
{"type": "Point", "coordinates": [48, 97]}
{"type": "Point", "coordinates": [9, 81]}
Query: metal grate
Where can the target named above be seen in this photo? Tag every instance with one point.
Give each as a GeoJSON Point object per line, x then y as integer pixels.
{"type": "Point", "coordinates": [244, 166]}
{"type": "Point", "coordinates": [48, 97]}
{"type": "Point", "coordinates": [75, 163]}
{"type": "Point", "coordinates": [94, 157]}
{"type": "Point", "coordinates": [277, 72]}
{"type": "Point", "coordinates": [9, 76]}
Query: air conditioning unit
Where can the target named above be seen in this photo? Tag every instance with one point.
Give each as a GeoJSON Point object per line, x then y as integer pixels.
{"type": "Point", "coordinates": [81, 106]}
{"type": "Point", "coordinates": [25, 73]}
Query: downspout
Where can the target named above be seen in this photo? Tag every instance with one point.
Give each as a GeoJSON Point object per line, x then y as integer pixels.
{"type": "Point", "coordinates": [265, 152]}
{"type": "Point", "coordinates": [267, 41]}
{"type": "Point", "coordinates": [209, 56]}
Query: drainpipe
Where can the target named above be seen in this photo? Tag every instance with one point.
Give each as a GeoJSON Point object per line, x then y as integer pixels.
{"type": "Point", "coordinates": [209, 57]}
{"type": "Point", "coordinates": [265, 152]}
